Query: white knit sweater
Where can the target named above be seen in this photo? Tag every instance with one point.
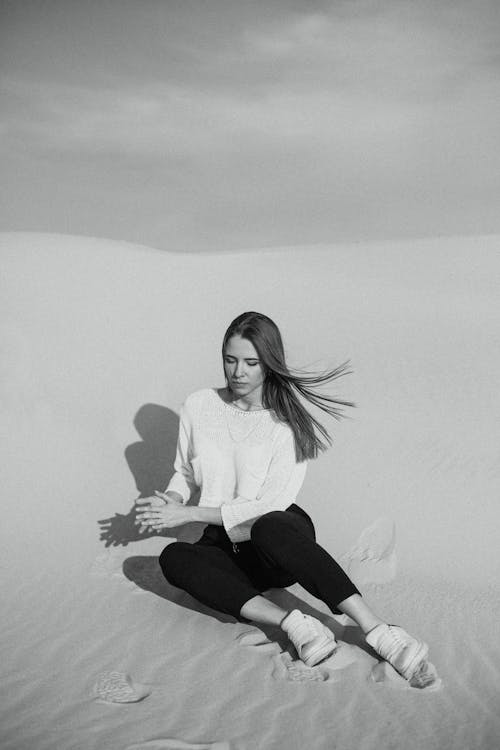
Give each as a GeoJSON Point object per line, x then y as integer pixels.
{"type": "Point", "coordinates": [242, 461]}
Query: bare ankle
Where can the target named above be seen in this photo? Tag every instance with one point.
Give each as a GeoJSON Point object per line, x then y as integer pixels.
{"type": "Point", "coordinates": [357, 609]}
{"type": "Point", "coordinates": [262, 610]}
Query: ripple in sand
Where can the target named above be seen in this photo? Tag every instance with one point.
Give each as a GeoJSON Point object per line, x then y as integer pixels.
{"type": "Point", "coordinates": [107, 565]}
{"type": "Point", "coordinates": [118, 687]}
{"type": "Point", "coordinates": [174, 744]}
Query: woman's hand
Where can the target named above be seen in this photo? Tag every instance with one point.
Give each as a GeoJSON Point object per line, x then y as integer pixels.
{"type": "Point", "coordinates": [161, 511]}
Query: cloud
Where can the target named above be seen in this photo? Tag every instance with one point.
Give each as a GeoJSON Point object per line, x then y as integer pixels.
{"type": "Point", "coordinates": [368, 106]}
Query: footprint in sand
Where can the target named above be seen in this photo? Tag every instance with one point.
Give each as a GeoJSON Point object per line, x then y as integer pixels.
{"type": "Point", "coordinates": [256, 639]}
{"type": "Point", "coordinates": [171, 744]}
{"type": "Point", "coordinates": [118, 687]}
{"type": "Point", "coordinates": [383, 672]}
{"type": "Point", "coordinates": [294, 670]}
{"type": "Point", "coordinates": [372, 560]}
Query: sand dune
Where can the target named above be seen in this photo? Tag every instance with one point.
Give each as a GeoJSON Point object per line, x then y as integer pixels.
{"type": "Point", "coordinates": [101, 342]}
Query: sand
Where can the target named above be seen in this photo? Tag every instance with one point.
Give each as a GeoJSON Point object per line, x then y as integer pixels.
{"type": "Point", "coordinates": [101, 342]}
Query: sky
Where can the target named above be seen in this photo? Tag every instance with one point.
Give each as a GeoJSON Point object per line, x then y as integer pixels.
{"type": "Point", "coordinates": [222, 125]}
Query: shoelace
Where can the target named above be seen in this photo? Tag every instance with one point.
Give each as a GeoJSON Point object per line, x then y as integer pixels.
{"type": "Point", "coordinates": [301, 631]}
{"type": "Point", "coordinates": [396, 642]}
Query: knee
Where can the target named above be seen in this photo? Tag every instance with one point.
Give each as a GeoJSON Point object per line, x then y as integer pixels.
{"type": "Point", "coordinates": [266, 526]}
{"type": "Point", "coordinates": [173, 560]}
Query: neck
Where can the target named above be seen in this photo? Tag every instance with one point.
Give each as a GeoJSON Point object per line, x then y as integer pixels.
{"type": "Point", "coordinates": [251, 402]}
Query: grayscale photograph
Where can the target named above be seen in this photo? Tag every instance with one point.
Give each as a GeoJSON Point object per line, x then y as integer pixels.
{"type": "Point", "coordinates": [249, 379]}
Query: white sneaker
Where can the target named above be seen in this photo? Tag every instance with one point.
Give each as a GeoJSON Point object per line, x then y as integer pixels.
{"type": "Point", "coordinates": [406, 654]}
{"type": "Point", "coordinates": [313, 641]}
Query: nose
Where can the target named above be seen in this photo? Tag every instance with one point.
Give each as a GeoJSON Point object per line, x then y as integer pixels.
{"type": "Point", "coordinates": [240, 369]}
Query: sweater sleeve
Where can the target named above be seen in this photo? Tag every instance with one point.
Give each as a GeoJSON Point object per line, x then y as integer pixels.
{"type": "Point", "coordinates": [182, 480]}
{"type": "Point", "coordinates": [283, 481]}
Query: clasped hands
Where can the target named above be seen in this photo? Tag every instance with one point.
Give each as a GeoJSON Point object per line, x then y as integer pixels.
{"type": "Point", "coordinates": [161, 511]}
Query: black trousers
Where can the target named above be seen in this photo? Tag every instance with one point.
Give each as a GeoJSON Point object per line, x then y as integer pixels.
{"type": "Point", "coordinates": [282, 551]}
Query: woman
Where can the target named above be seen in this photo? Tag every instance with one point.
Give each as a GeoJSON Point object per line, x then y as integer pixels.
{"type": "Point", "coordinates": [246, 446]}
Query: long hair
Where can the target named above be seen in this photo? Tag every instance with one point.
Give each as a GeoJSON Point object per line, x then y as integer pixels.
{"type": "Point", "coordinates": [282, 384]}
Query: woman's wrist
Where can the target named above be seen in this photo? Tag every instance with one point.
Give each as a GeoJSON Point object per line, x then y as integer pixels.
{"type": "Point", "coordinates": [206, 515]}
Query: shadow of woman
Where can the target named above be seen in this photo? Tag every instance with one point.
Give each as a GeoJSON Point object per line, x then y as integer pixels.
{"type": "Point", "coordinates": [151, 461]}
{"type": "Point", "coordinates": [145, 572]}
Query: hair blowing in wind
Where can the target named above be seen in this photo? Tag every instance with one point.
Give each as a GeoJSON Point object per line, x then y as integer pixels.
{"type": "Point", "coordinates": [283, 385]}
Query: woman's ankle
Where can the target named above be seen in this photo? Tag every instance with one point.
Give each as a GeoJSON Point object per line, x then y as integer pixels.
{"type": "Point", "coordinates": [281, 623]}
{"type": "Point", "coordinates": [356, 608]}
{"type": "Point", "coordinates": [260, 609]}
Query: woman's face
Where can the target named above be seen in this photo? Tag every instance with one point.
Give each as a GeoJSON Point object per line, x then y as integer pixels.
{"type": "Point", "coordinates": [243, 368]}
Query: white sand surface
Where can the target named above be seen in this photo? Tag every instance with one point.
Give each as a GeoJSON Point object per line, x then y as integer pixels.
{"type": "Point", "coordinates": [101, 342]}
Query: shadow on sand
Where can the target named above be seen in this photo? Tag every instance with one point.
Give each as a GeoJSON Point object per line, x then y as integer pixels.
{"type": "Point", "coordinates": [151, 462]}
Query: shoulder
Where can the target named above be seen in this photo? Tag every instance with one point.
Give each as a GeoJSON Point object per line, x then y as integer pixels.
{"type": "Point", "coordinates": [196, 399]}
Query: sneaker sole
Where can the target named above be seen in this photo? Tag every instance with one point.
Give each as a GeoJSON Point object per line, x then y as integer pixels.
{"type": "Point", "coordinates": [320, 652]}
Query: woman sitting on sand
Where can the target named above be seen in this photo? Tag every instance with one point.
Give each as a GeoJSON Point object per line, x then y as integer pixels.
{"type": "Point", "coordinates": [246, 447]}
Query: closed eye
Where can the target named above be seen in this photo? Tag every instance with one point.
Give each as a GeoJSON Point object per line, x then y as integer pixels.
{"type": "Point", "coordinates": [251, 363]}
